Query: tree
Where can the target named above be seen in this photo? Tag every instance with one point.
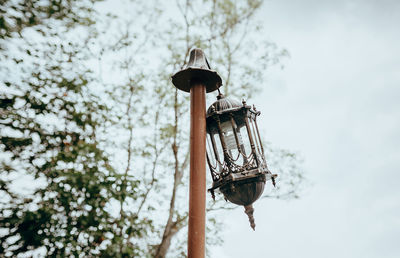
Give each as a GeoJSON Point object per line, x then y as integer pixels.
{"type": "Point", "coordinates": [56, 178]}
{"type": "Point", "coordinates": [114, 177]}
{"type": "Point", "coordinates": [17, 15]}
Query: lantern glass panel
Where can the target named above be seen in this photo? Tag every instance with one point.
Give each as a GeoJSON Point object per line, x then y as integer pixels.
{"type": "Point", "coordinates": [227, 131]}
{"type": "Point", "coordinates": [210, 152]}
{"type": "Point", "coordinates": [218, 147]}
{"type": "Point", "coordinates": [255, 137]}
{"type": "Point", "coordinates": [246, 142]}
{"type": "Point", "coordinates": [257, 141]}
{"type": "Point", "coordinates": [232, 142]}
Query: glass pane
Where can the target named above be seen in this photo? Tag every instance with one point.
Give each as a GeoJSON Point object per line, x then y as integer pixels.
{"type": "Point", "coordinates": [218, 147]}
{"type": "Point", "coordinates": [246, 143]}
{"type": "Point", "coordinates": [210, 151]}
{"type": "Point", "coordinates": [228, 135]}
{"type": "Point", "coordinates": [255, 137]}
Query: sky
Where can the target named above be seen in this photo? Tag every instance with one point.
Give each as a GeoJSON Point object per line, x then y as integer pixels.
{"type": "Point", "coordinates": [337, 103]}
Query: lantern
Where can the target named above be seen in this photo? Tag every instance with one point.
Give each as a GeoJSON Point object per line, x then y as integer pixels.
{"type": "Point", "coordinates": [235, 153]}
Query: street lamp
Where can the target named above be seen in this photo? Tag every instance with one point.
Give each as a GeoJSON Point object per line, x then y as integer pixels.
{"type": "Point", "coordinates": [235, 153]}
{"type": "Point", "coordinates": [236, 156]}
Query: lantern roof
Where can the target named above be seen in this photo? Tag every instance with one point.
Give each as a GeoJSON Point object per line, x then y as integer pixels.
{"type": "Point", "coordinates": [223, 103]}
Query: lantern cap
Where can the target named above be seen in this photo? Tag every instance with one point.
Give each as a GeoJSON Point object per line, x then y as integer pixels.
{"type": "Point", "coordinates": [223, 103]}
{"type": "Point", "coordinates": [199, 70]}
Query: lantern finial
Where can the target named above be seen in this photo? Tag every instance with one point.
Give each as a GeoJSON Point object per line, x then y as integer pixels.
{"type": "Point", "coordinates": [249, 210]}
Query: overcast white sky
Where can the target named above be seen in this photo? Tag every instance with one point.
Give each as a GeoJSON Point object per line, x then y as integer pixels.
{"type": "Point", "coordinates": [337, 102]}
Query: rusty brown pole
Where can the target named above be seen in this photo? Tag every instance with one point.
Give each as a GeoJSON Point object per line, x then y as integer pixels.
{"type": "Point", "coordinates": [197, 190]}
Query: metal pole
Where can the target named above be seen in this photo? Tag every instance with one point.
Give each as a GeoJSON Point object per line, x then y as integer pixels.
{"type": "Point", "coordinates": [197, 190]}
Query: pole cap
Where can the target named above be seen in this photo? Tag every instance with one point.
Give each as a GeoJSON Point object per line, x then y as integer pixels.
{"type": "Point", "coordinates": [197, 70]}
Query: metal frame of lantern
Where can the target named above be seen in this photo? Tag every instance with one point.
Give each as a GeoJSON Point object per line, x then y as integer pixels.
{"type": "Point", "coordinates": [238, 169]}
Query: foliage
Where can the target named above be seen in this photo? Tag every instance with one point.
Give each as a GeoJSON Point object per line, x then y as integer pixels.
{"type": "Point", "coordinates": [16, 15]}
{"type": "Point", "coordinates": [56, 180]}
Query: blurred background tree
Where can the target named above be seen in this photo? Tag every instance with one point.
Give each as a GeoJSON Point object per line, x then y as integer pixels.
{"type": "Point", "coordinates": [94, 137]}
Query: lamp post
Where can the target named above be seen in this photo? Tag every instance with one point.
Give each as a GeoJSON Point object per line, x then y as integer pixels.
{"type": "Point", "coordinates": [197, 78]}
{"type": "Point", "coordinates": [235, 153]}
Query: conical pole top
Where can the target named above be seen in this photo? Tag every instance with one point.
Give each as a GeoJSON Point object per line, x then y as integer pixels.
{"type": "Point", "coordinates": [197, 70]}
